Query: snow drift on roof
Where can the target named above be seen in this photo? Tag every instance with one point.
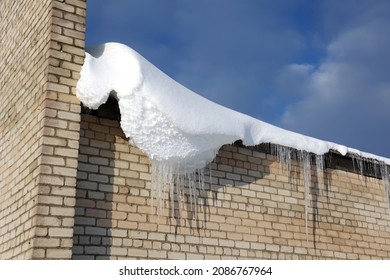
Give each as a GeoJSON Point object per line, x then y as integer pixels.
{"type": "Point", "coordinates": [171, 123]}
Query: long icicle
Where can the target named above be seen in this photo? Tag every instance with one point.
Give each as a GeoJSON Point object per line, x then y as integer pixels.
{"type": "Point", "coordinates": [320, 172]}
{"type": "Point", "coordinates": [304, 159]}
{"type": "Point", "coordinates": [166, 178]}
{"type": "Point", "coordinates": [386, 182]}
{"type": "Point", "coordinates": [283, 155]}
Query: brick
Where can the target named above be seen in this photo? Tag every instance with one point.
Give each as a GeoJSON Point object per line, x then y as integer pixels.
{"type": "Point", "coordinates": [156, 254]}
{"type": "Point", "coordinates": [139, 167]}
{"type": "Point", "coordinates": [95, 231]}
{"type": "Point", "coordinates": [48, 221]}
{"type": "Point", "coordinates": [62, 22]}
{"type": "Point", "coordinates": [176, 256]}
{"type": "Point", "coordinates": [68, 116]}
{"type": "Point", "coordinates": [139, 253]}
{"type": "Point", "coordinates": [66, 152]}
{"type": "Point", "coordinates": [56, 123]}
{"type": "Point", "coordinates": [233, 221]}
{"type": "Point", "coordinates": [57, 88]}
{"type": "Point", "coordinates": [38, 254]}
{"type": "Point", "coordinates": [58, 253]}
{"type": "Point", "coordinates": [242, 244]}
{"type": "Point", "coordinates": [77, 3]}
{"type": "Point", "coordinates": [272, 247]}
{"type": "Point", "coordinates": [136, 217]}
{"type": "Point", "coordinates": [226, 243]}
{"type": "Point", "coordinates": [190, 256]}
{"type": "Point", "coordinates": [193, 240]}
{"type": "Point", "coordinates": [61, 232]}
{"type": "Point", "coordinates": [118, 251]}
{"type": "Point", "coordinates": [62, 211]}
{"type": "Point", "coordinates": [257, 246]}
{"type": "Point", "coordinates": [71, 49]}
{"type": "Point", "coordinates": [89, 150]}
{"type": "Point", "coordinates": [62, 191]}
{"type": "Point", "coordinates": [138, 234]}
{"type": "Point", "coordinates": [63, 6]}
{"type": "Point", "coordinates": [67, 134]}
{"type": "Point", "coordinates": [104, 223]}
{"type": "Point", "coordinates": [98, 160]}
{"type": "Point", "coordinates": [299, 250]}
{"type": "Point", "coordinates": [61, 38]}
{"type": "Point", "coordinates": [71, 172]}
{"type": "Point", "coordinates": [96, 213]}
{"type": "Point", "coordinates": [96, 196]}
{"type": "Point", "coordinates": [51, 180]}
{"type": "Point", "coordinates": [46, 242]}
{"type": "Point", "coordinates": [117, 232]}
{"type": "Point", "coordinates": [88, 167]}
{"type": "Point", "coordinates": [98, 178]}
{"type": "Point", "coordinates": [54, 141]}
{"type": "Point", "coordinates": [71, 66]}
{"type": "Point", "coordinates": [95, 250]}
{"type": "Point", "coordinates": [53, 200]}
{"type": "Point", "coordinates": [84, 220]}
{"type": "Point", "coordinates": [210, 241]}
{"type": "Point", "coordinates": [57, 105]}
{"type": "Point", "coordinates": [128, 173]}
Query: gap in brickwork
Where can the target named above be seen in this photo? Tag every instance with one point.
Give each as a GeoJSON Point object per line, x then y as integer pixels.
{"type": "Point", "coordinates": [108, 110]}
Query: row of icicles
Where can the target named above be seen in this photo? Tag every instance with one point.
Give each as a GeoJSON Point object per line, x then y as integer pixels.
{"type": "Point", "coordinates": [165, 178]}
{"type": "Point", "coordinates": [306, 160]}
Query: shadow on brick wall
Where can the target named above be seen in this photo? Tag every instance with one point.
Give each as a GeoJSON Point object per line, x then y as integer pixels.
{"type": "Point", "coordinates": [95, 189]}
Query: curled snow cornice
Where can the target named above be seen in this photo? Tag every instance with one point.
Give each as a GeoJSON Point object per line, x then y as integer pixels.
{"type": "Point", "coordinates": [173, 124]}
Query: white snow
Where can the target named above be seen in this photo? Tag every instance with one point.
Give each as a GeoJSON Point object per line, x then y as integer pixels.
{"type": "Point", "coordinates": [179, 130]}
{"type": "Point", "coordinates": [172, 123]}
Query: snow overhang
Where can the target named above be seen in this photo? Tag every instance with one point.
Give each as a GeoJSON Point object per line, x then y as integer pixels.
{"type": "Point", "coordinates": [171, 123]}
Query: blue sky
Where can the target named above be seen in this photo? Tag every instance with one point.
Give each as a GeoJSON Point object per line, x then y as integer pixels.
{"type": "Point", "coordinates": [320, 68]}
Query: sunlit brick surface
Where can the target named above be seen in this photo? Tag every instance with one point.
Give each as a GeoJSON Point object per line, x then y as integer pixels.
{"type": "Point", "coordinates": [41, 53]}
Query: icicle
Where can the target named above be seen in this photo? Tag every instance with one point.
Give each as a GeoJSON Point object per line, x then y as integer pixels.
{"type": "Point", "coordinates": [158, 174]}
{"type": "Point", "coordinates": [210, 176]}
{"type": "Point", "coordinates": [377, 170]}
{"type": "Point", "coordinates": [192, 190]}
{"type": "Point", "coordinates": [179, 195]}
{"type": "Point", "coordinates": [200, 173]}
{"type": "Point", "coordinates": [304, 159]}
{"type": "Point", "coordinates": [283, 154]}
{"type": "Point", "coordinates": [320, 171]}
{"type": "Point", "coordinates": [358, 163]}
{"type": "Point", "coordinates": [174, 179]}
{"type": "Point", "coordinates": [372, 167]}
{"type": "Point", "coordinates": [172, 193]}
{"type": "Point", "coordinates": [385, 181]}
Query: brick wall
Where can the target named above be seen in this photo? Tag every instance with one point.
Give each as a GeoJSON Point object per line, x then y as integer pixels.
{"type": "Point", "coordinates": [41, 53]}
{"type": "Point", "coordinates": [251, 209]}
{"type": "Point", "coordinates": [78, 190]}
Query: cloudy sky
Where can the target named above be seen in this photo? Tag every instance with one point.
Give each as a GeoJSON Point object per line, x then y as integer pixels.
{"type": "Point", "coordinates": [321, 68]}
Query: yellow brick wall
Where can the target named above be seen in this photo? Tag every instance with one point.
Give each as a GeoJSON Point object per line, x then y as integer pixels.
{"type": "Point", "coordinates": [250, 210]}
{"type": "Point", "coordinates": [41, 53]}
{"type": "Point", "coordinates": [24, 38]}
{"type": "Point", "coordinates": [82, 192]}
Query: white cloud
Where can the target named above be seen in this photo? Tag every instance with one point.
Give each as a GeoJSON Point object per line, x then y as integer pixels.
{"type": "Point", "coordinates": [292, 81]}
{"type": "Point", "coordinates": [346, 99]}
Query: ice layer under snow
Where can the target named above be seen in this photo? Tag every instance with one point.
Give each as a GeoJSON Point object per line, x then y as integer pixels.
{"type": "Point", "coordinates": [173, 124]}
